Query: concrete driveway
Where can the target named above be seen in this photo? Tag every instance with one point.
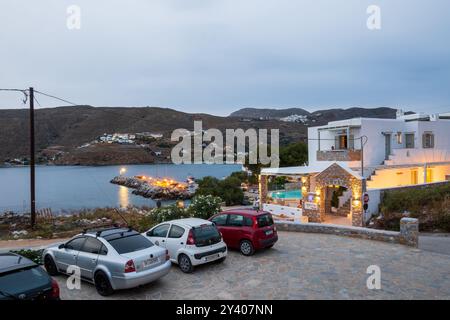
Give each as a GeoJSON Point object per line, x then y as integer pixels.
{"type": "Point", "coordinates": [302, 266]}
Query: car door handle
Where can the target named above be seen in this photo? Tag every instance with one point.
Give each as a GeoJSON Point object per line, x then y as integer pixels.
{"type": "Point", "coordinates": [181, 243]}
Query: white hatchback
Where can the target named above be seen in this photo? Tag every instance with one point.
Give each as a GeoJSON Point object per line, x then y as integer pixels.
{"type": "Point", "coordinates": [190, 242]}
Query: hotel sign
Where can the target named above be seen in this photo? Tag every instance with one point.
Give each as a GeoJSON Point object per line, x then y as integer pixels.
{"type": "Point", "coordinates": [311, 206]}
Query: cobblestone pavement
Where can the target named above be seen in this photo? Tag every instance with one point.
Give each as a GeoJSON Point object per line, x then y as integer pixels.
{"type": "Point", "coordinates": [301, 266]}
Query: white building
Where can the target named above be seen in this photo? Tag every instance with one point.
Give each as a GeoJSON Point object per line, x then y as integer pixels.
{"type": "Point", "coordinates": [411, 149]}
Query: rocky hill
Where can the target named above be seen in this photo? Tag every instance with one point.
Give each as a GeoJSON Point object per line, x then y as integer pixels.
{"type": "Point", "coordinates": [66, 128]}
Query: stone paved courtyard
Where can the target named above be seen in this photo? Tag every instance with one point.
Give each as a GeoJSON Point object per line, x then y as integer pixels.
{"type": "Point", "coordinates": [301, 266]}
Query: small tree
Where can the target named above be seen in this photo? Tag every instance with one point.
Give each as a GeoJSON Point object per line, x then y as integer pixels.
{"type": "Point", "coordinates": [169, 213]}
{"type": "Point", "coordinates": [204, 206]}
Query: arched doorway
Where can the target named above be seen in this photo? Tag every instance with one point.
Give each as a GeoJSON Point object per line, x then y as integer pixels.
{"type": "Point", "coordinates": [328, 183]}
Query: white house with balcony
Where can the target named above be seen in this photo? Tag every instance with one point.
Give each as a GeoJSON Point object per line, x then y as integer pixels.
{"type": "Point", "coordinates": [410, 150]}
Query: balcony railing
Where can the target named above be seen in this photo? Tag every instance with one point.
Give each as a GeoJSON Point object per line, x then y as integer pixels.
{"type": "Point", "coordinates": [339, 155]}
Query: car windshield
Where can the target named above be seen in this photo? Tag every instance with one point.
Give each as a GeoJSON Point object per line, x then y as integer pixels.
{"type": "Point", "coordinates": [264, 220]}
{"type": "Point", "coordinates": [206, 235]}
{"type": "Point", "coordinates": [130, 243]}
{"type": "Point", "coordinates": [22, 280]}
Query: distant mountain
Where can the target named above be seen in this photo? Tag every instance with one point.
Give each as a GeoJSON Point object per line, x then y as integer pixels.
{"type": "Point", "coordinates": [316, 117]}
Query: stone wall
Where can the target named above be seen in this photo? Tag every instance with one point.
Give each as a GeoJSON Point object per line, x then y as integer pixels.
{"type": "Point", "coordinates": [262, 190]}
{"type": "Point", "coordinates": [408, 235]}
{"type": "Point", "coordinates": [339, 155]}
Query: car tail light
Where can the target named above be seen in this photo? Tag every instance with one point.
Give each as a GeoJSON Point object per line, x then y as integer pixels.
{"type": "Point", "coordinates": [167, 255]}
{"type": "Point", "coordinates": [129, 266]}
{"type": "Point", "coordinates": [55, 290]}
{"type": "Point", "coordinates": [190, 239]}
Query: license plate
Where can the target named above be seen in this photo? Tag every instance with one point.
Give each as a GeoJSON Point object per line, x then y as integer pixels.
{"type": "Point", "coordinates": [269, 232]}
{"type": "Point", "coordinates": [149, 262]}
{"type": "Point", "coordinates": [212, 257]}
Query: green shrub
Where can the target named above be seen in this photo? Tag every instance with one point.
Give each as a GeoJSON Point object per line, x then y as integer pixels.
{"type": "Point", "coordinates": [204, 206]}
{"type": "Point", "coordinates": [229, 189]}
{"type": "Point", "coordinates": [33, 255]}
{"type": "Point", "coordinates": [169, 213]}
{"type": "Point", "coordinates": [431, 205]}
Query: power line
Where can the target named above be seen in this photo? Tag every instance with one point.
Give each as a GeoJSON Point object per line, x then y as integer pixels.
{"type": "Point", "coordinates": [24, 91]}
{"type": "Point", "coordinates": [98, 108]}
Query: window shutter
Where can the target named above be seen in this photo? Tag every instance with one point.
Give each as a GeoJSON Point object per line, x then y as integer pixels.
{"type": "Point", "coordinates": [336, 143]}
{"type": "Point", "coordinates": [351, 143]}
{"type": "Point", "coordinates": [424, 140]}
{"type": "Point", "coordinates": [431, 140]}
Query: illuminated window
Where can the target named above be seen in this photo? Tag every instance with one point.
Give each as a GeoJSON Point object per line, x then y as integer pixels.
{"type": "Point", "coordinates": [399, 138]}
{"type": "Point", "coordinates": [429, 175]}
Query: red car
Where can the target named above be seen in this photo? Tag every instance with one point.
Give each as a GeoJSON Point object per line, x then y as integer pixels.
{"type": "Point", "coordinates": [246, 230]}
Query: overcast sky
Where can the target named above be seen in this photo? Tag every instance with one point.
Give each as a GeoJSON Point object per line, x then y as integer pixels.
{"type": "Point", "coordinates": [216, 56]}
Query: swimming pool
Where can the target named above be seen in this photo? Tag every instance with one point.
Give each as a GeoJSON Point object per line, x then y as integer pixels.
{"type": "Point", "coordinates": [290, 194]}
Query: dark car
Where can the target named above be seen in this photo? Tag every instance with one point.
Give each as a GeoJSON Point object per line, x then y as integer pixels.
{"type": "Point", "coordinates": [22, 279]}
{"type": "Point", "coordinates": [246, 230]}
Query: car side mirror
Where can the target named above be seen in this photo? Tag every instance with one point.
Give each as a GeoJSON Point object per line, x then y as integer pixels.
{"type": "Point", "coordinates": [62, 246]}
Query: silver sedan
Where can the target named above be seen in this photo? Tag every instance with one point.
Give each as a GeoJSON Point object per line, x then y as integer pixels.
{"type": "Point", "coordinates": [112, 259]}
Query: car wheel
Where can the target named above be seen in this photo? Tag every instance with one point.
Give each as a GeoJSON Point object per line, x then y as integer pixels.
{"type": "Point", "coordinates": [246, 248]}
{"type": "Point", "coordinates": [185, 263]}
{"type": "Point", "coordinates": [268, 247]}
{"type": "Point", "coordinates": [50, 266]}
{"type": "Point", "coordinates": [102, 284]}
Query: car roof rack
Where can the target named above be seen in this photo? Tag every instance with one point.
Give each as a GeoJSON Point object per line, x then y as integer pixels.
{"type": "Point", "coordinates": [99, 230]}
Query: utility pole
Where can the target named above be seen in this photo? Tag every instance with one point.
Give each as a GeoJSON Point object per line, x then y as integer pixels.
{"type": "Point", "coordinates": [32, 164]}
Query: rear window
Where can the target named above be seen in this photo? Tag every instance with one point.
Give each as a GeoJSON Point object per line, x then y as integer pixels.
{"type": "Point", "coordinates": [130, 243]}
{"type": "Point", "coordinates": [206, 235]}
{"type": "Point", "coordinates": [23, 280]}
{"type": "Point", "coordinates": [264, 220]}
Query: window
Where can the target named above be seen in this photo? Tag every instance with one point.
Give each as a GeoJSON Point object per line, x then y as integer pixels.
{"type": "Point", "coordinates": [92, 245]}
{"type": "Point", "coordinates": [22, 280]}
{"type": "Point", "coordinates": [341, 142]}
{"type": "Point", "coordinates": [160, 231]}
{"type": "Point", "coordinates": [428, 140]}
{"type": "Point", "coordinates": [206, 235]}
{"type": "Point", "coordinates": [176, 231]}
{"type": "Point", "coordinates": [429, 175]}
{"type": "Point", "coordinates": [220, 220]}
{"type": "Point", "coordinates": [409, 140]}
{"type": "Point", "coordinates": [248, 222]}
{"type": "Point", "coordinates": [399, 137]}
{"type": "Point", "coordinates": [236, 220]}
{"type": "Point", "coordinates": [414, 177]}
{"type": "Point", "coordinates": [130, 243]}
{"type": "Point", "coordinates": [103, 250]}
{"type": "Point", "coordinates": [75, 244]}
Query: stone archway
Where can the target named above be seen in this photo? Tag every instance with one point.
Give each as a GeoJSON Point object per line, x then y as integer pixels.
{"type": "Point", "coordinates": [335, 175]}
